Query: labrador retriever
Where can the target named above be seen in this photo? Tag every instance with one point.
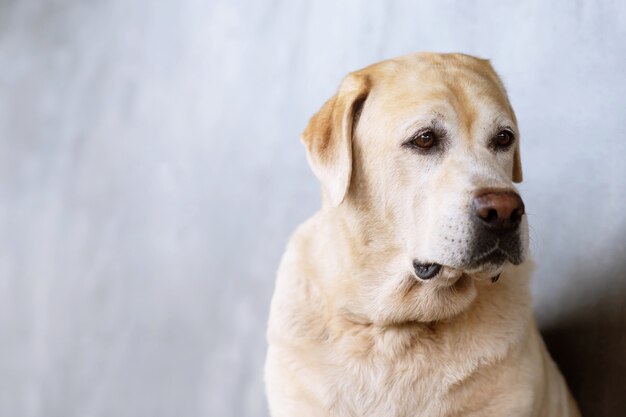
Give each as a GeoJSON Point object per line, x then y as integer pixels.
{"type": "Point", "coordinates": [407, 293]}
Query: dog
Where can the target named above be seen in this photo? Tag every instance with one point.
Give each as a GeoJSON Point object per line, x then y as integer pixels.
{"type": "Point", "coordinates": [407, 294]}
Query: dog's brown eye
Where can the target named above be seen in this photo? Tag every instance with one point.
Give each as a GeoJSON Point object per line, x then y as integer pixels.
{"type": "Point", "coordinates": [503, 139]}
{"type": "Point", "coordinates": [424, 140]}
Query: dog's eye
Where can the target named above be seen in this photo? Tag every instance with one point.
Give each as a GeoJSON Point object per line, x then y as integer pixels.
{"type": "Point", "coordinates": [504, 139]}
{"type": "Point", "coordinates": [424, 140]}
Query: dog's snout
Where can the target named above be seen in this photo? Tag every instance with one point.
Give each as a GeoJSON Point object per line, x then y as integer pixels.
{"type": "Point", "coordinates": [500, 211]}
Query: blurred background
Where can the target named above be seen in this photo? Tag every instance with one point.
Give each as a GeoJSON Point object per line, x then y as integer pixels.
{"type": "Point", "coordinates": [151, 174]}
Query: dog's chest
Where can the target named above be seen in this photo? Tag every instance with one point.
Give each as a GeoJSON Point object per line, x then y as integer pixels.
{"type": "Point", "coordinates": [403, 373]}
{"type": "Point", "coordinates": [377, 388]}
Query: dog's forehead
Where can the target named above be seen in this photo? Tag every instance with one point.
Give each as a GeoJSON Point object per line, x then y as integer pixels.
{"type": "Point", "coordinates": [422, 86]}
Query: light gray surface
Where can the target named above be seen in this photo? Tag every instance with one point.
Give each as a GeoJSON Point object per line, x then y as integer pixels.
{"type": "Point", "coordinates": [150, 174]}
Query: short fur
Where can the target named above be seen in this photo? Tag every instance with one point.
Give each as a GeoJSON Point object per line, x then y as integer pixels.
{"type": "Point", "coordinates": [352, 331]}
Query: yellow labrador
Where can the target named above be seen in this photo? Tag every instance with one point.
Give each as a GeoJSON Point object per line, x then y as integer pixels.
{"type": "Point", "coordinates": [407, 293]}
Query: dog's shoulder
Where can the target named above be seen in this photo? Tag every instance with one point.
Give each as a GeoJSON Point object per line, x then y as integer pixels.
{"type": "Point", "coordinates": [298, 301]}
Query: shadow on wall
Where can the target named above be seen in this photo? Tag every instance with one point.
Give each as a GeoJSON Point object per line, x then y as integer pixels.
{"type": "Point", "coordinates": [589, 345]}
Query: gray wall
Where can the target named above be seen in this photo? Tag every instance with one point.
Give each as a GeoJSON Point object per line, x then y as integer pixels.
{"type": "Point", "coordinates": [151, 173]}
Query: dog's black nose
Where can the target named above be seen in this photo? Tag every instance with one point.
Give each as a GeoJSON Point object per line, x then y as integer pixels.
{"type": "Point", "coordinates": [498, 211]}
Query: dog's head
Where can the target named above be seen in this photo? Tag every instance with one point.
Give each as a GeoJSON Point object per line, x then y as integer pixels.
{"type": "Point", "coordinates": [423, 152]}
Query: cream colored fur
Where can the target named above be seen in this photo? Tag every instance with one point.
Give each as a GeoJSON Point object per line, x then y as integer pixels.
{"type": "Point", "coordinates": [352, 331]}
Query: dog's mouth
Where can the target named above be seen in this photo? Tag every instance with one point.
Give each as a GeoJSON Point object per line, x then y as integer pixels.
{"type": "Point", "coordinates": [491, 269]}
{"type": "Point", "coordinates": [483, 260]}
{"type": "Point", "coordinates": [492, 258]}
{"type": "Point", "coordinates": [485, 265]}
{"type": "Point", "coordinates": [489, 251]}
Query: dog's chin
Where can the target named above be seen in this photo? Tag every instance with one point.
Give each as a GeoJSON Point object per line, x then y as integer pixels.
{"type": "Point", "coordinates": [480, 268]}
{"type": "Point", "coordinates": [487, 271]}
{"type": "Point", "coordinates": [456, 277]}
{"type": "Point", "coordinates": [451, 288]}
{"type": "Point", "coordinates": [491, 265]}
{"type": "Point", "coordinates": [490, 270]}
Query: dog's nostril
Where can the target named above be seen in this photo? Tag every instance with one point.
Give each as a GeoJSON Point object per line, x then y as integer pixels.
{"type": "Point", "coordinates": [516, 216]}
{"type": "Point", "coordinates": [491, 215]}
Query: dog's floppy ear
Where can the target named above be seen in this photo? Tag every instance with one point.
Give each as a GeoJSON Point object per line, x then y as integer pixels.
{"type": "Point", "coordinates": [328, 137]}
{"type": "Point", "coordinates": [517, 164]}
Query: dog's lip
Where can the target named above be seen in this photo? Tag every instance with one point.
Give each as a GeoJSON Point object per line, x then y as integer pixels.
{"type": "Point", "coordinates": [436, 272]}
{"type": "Point", "coordinates": [426, 271]}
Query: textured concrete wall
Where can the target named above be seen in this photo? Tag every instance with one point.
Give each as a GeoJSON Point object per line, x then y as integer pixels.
{"type": "Point", "coordinates": [150, 175]}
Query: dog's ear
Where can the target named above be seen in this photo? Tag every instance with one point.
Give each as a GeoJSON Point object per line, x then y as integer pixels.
{"type": "Point", "coordinates": [517, 164]}
{"type": "Point", "coordinates": [328, 137]}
